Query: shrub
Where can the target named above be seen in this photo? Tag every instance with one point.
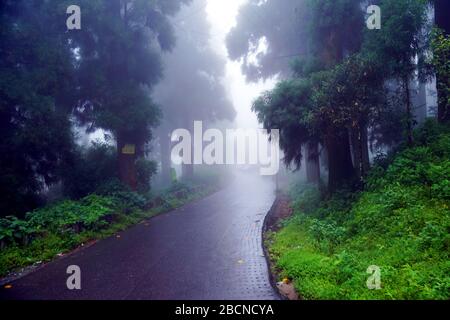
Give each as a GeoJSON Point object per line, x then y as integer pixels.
{"type": "Point", "coordinates": [90, 168]}
{"type": "Point", "coordinates": [126, 199]}
{"type": "Point", "coordinates": [88, 213]}
{"type": "Point", "coordinates": [305, 199]}
{"type": "Point", "coordinates": [145, 170]}
{"type": "Point", "coordinates": [401, 224]}
{"type": "Point", "coordinates": [14, 230]}
{"type": "Point", "coordinates": [112, 186]}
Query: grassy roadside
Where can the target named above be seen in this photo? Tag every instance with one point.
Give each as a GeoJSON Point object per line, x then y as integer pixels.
{"type": "Point", "coordinates": [401, 224]}
{"type": "Point", "coordinates": [66, 225]}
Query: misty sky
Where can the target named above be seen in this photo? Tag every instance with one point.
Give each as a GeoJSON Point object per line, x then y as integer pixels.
{"type": "Point", "coordinates": [222, 16]}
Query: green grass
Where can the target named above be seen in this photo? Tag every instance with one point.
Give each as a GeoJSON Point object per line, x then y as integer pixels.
{"type": "Point", "coordinates": [64, 226]}
{"type": "Point", "coordinates": [401, 224]}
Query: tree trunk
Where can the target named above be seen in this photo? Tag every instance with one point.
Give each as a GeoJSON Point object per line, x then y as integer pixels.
{"type": "Point", "coordinates": [166, 163]}
{"type": "Point", "coordinates": [360, 147]}
{"type": "Point", "coordinates": [442, 93]}
{"type": "Point", "coordinates": [443, 106]}
{"type": "Point", "coordinates": [409, 115]}
{"type": "Point", "coordinates": [441, 9]}
{"type": "Point", "coordinates": [340, 164]}
{"type": "Point", "coordinates": [126, 162]}
{"type": "Point", "coordinates": [312, 163]}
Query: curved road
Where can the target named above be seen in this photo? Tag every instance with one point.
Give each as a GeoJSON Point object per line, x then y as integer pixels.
{"type": "Point", "coordinates": [209, 249]}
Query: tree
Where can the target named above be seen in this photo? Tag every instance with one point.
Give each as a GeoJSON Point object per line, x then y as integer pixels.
{"type": "Point", "coordinates": [347, 91]}
{"type": "Point", "coordinates": [398, 43]}
{"type": "Point", "coordinates": [198, 95]}
{"type": "Point", "coordinates": [440, 49]}
{"type": "Point", "coordinates": [331, 23]}
{"type": "Point", "coordinates": [36, 78]}
{"type": "Point", "coordinates": [356, 92]}
{"type": "Point", "coordinates": [441, 61]}
{"type": "Point", "coordinates": [119, 63]}
{"type": "Point", "coordinates": [319, 30]}
{"type": "Point", "coordinates": [268, 34]}
{"type": "Point", "coordinates": [285, 108]}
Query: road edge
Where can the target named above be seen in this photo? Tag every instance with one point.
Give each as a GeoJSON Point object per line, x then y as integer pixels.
{"type": "Point", "coordinates": [265, 228]}
{"type": "Point", "coordinates": [22, 272]}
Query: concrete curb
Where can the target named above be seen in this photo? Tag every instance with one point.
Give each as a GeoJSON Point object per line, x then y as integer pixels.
{"type": "Point", "coordinates": [265, 228]}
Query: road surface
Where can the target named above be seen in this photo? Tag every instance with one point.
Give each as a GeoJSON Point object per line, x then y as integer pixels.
{"type": "Point", "coordinates": [209, 249]}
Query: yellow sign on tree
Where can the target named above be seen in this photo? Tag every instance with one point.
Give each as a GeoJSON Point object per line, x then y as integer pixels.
{"type": "Point", "coordinates": [129, 149]}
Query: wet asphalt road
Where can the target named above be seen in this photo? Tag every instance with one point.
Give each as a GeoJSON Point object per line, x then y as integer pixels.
{"type": "Point", "coordinates": [209, 249]}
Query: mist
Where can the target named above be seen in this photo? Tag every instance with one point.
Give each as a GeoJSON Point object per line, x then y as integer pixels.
{"type": "Point", "coordinates": [224, 150]}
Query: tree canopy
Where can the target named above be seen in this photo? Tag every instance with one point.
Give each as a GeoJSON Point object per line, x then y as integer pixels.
{"type": "Point", "coordinates": [339, 89]}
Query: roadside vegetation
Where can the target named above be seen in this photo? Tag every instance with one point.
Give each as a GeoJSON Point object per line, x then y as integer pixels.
{"type": "Point", "coordinates": [86, 118]}
{"type": "Point", "coordinates": [339, 103]}
{"type": "Point", "coordinates": [400, 223]}
{"type": "Point", "coordinates": [65, 225]}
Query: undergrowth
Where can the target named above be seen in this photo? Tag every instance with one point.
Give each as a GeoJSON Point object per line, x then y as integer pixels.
{"type": "Point", "coordinates": [400, 223]}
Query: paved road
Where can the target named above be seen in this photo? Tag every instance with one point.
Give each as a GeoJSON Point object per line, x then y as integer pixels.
{"type": "Point", "coordinates": [210, 249]}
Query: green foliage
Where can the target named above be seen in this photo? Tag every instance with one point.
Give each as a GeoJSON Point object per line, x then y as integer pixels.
{"type": "Point", "coordinates": [119, 64]}
{"type": "Point", "coordinates": [173, 175]}
{"type": "Point", "coordinates": [111, 187]}
{"type": "Point", "coordinates": [35, 84]}
{"type": "Point", "coordinates": [145, 170]}
{"type": "Point", "coordinates": [13, 229]}
{"type": "Point", "coordinates": [68, 216]}
{"type": "Point", "coordinates": [65, 225]}
{"type": "Point", "coordinates": [285, 34]}
{"type": "Point", "coordinates": [440, 45]}
{"type": "Point", "coordinates": [129, 200]}
{"type": "Point", "coordinates": [305, 199]}
{"type": "Point", "coordinates": [40, 250]}
{"type": "Point", "coordinates": [332, 21]}
{"type": "Point", "coordinates": [399, 40]}
{"type": "Point", "coordinates": [126, 199]}
{"type": "Point", "coordinates": [401, 224]}
{"type": "Point", "coordinates": [89, 169]}
{"type": "Point", "coordinates": [100, 76]}
{"type": "Point", "coordinates": [87, 213]}
{"type": "Point", "coordinates": [288, 107]}
{"type": "Point", "coordinates": [332, 97]}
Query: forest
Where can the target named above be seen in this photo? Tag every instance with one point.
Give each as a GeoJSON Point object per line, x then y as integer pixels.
{"type": "Point", "coordinates": [358, 100]}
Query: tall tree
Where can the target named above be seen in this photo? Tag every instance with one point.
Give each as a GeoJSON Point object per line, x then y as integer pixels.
{"type": "Point", "coordinates": [36, 78]}
{"type": "Point", "coordinates": [440, 60]}
{"type": "Point", "coordinates": [119, 63]}
{"type": "Point", "coordinates": [267, 36]}
{"type": "Point", "coordinates": [331, 23]}
{"type": "Point", "coordinates": [440, 47]}
{"type": "Point", "coordinates": [193, 87]}
{"type": "Point", "coordinates": [398, 43]}
{"type": "Point", "coordinates": [286, 107]}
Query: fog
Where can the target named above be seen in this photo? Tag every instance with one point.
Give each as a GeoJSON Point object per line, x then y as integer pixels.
{"type": "Point", "coordinates": [204, 149]}
{"type": "Point", "coordinates": [222, 17]}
